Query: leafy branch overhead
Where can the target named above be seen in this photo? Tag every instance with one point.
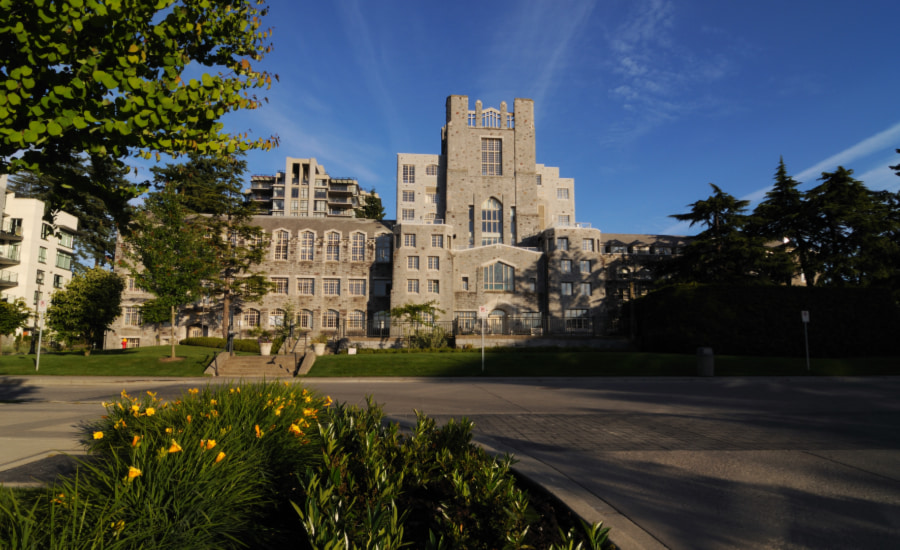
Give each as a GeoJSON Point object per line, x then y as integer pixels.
{"type": "Point", "coordinates": [120, 77]}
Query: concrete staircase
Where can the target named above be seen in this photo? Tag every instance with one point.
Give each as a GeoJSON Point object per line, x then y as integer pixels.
{"type": "Point", "coordinates": [257, 366]}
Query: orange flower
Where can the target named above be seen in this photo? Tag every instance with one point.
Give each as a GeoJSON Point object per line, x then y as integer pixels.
{"type": "Point", "coordinates": [207, 444]}
{"type": "Point", "coordinates": [175, 447]}
{"type": "Point", "coordinates": [98, 435]}
{"type": "Point", "coordinates": [133, 472]}
{"type": "Point", "coordinates": [258, 431]}
{"type": "Point", "coordinates": [124, 395]}
{"type": "Point", "coordinates": [119, 424]}
{"type": "Point", "coordinates": [328, 401]}
{"type": "Point", "coordinates": [295, 429]}
{"type": "Point", "coordinates": [219, 457]}
{"type": "Point", "coordinates": [213, 402]}
{"type": "Point", "coordinates": [309, 412]}
{"type": "Point", "coordinates": [193, 391]}
{"type": "Point", "coordinates": [189, 419]}
{"type": "Point", "coordinates": [136, 441]}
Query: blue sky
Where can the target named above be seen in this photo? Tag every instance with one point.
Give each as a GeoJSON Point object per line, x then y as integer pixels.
{"type": "Point", "coordinates": [642, 102]}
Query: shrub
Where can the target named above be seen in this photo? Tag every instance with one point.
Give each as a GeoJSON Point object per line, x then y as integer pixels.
{"type": "Point", "coordinates": [248, 344]}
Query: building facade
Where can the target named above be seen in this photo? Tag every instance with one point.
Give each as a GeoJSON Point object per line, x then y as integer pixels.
{"type": "Point", "coordinates": [36, 257]}
{"type": "Point", "coordinates": [483, 231]}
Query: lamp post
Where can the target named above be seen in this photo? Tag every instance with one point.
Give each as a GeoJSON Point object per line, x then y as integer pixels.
{"type": "Point", "coordinates": [36, 328]}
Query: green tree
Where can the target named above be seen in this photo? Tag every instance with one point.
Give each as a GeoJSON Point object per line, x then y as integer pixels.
{"type": "Point", "coordinates": [96, 240]}
{"type": "Point", "coordinates": [111, 79]}
{"type": "Point", "coordinates": [421, 319]}
{"type": "Point", "coordinates": [84, 310]}
{"type": "Point", "coordinates": [779, 218]}
{"type": "Point", "coordinates": [370, 207]}
{"type": "Point", "coordinates": [852, 232]}
{"type": "Point", "coordinates": [168, 254]}
{"type": "Point", "coordinates": [723, 252]}
{"type": "Point", "coordinates": [211, 186]}
{"type": "Point", "coordinates": [13, 316]}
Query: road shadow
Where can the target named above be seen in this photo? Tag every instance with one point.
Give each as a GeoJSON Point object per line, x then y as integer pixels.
{"type": "Point", "coordinates": [15, 390]}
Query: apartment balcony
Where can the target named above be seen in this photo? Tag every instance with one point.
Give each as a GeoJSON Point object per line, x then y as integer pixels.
{"type": "Point", "coordinates": [341, 202]}
{"type": "Point", "coordinates": [343, 189]}
{"type": "Point", "coordinates": [10, 232]}
{"type": "Point", "coordinates": [8, 279]}
{"type": "Point", "coordinates": [9, 255]}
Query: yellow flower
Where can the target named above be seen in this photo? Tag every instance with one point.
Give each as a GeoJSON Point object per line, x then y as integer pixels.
{"type": "Point", "coordinates": [175, 447]}
{"type": "Point", "coordinates": [219, 457]}
{"type": "Point", "coordinates": [213, 402]}
{"type": "Point", "coordinates": [60, 499]}
{"type": "Point", "coordinates": [124, 395]}
{"type": "Point", "coordinates": [169, 430]}
{"type": "Point", "coordinates": [207, 444]}
{"type": "Point", "coordinates": [117, 526]}
{"type": "Point", "coordinates": [150, 411]}
{"type": "Point", "coordinates": [309, 412]}
{"type": "Point", "coordinates": [259, 432]}
{"type": "Point", "coordinates": [133, 472]}
{"type": "Point", "coordinates": [189, 419]}
{"type": "Point", "coordinates": [295, 429]}
{"type": "Point", "coordinates": [98, 435]}
{"type": "Point", "coordinates": [135, 410]}
{"type": "Point", "coordinates": [328, 401]}
{"type": "Point", "coordinates": [193, 391]}
{"type": "Point", "coordinates": [119, 424]}
{"type": "Point", "coordinates": [308, 399]}
{"type": "Point", "coordinates": [214, 412]}
{"type": "Point", "coordinates": [136, 441]}
{"type": "Point", "coordinates": [151, 393]}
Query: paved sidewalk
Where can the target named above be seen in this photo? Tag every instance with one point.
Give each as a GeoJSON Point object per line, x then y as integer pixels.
{"type": "Point", "coordinates": [681, 463]}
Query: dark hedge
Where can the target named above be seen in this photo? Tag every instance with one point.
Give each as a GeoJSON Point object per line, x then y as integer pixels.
{"type": "Point", "coordinates": [763, 320]}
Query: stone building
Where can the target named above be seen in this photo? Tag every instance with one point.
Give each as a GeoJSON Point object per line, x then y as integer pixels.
{"type": "Point", "coordinates": [483, 230]}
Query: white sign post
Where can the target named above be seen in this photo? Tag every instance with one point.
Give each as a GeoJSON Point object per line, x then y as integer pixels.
{"type": "Point", "coordinates": [804, 316]}
{"type": "Point", "coordinates": [42, 308]}
{"type": "Point", "coordinates": [483, 315]}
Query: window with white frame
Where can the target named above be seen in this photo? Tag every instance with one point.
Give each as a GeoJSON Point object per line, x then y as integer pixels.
{"type": "Point", "coordinates": [276, 318]}
{"type": "Point", "coordinates": [357, 287]}
{"type": "Point", "coordinates": [409, 239]}
{"type": "Point", "coordinates": [437, 241]}
{"type": "Point", "coordinates": [408, 214]}
{"type": "Point", "coordinates": [465, 283]}
{"type": "Point", "coordinates": [562, 243]}
{"type": "Point", "coordinates": [383, 248]}
{"type": "Point", "coordinates": [250, 318]}
{"type": "Point", "coordinates": [306, 286]}
{"type": "Point", "coordinates": [434, 262]}
{"type": "Point", "coordinates": [408, 196]}
{"type": "Point", "coordinates": [491, 157]}
{"type": "Point", "coordinates": [63, 260]}
{"type": "Point", "coordinates": [42, 255]}
{"type": "Point", "coordinates": [565, 289]}
{"type": "Point", "coordinates": [584, 266]}
{"type": "Point", "coordinates": [584, 289]}
{"type": "Point", "coordinates": [281, 245]}
{"type": "Point", "coordinates": [412, 262]}
{"type": "Point", "coordinates": [331, 319]}
{"type": "Point", "coordinates": [412, 286]}
{"type": "Point", "coordinates": [431, 198]}
{"type": "Point", "coordinates": [577, 319]}
{"type": "Point", "coordinates": [431, 170]}
{"type": "Point", "coordinates": [356, 319]}
{"type": "Point", "coordinates": [66, 239]}
{"type": "Point", "coordinates": [587, 245]}
{"type": "Point", "coordinates": [499, 276]}
{"type": "Point", "coordinates": [133, 316]}
{"type": "Point", "coordinates": [434, 286]}
{"type": "Point", "coordinates": [429, 217]}
{"type": "Point", "coordinates": [565, 266]}
{"type": "Point", "coordinates": [358, 247]}
{"type": "Point", "coordinates": [307, 245]}
{"type": "Point", "coordinates": [331, 287]}
{"type": "Point", "coordinates": [305, 319]}
{"type": "Point", "coordinates": [491, 222]}
{"type": "Point", "coordinates": [281, 285]}
{"type": "Point", "coordinates": [333, 246]}
{"type": "Point", "coordinates": [58, 282]}
{"type": "Point", "coordinates": [563, 220]}
{"type": "Point", "coordinates": [409, 173]}
{"type": "Point", "coordinates": [562, 193]}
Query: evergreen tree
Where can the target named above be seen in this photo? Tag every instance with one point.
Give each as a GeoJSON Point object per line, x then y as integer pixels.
{"type": "Point", "coordinates": [371, 207]}
{"type": "Point", "coordinates": [211, 186]}
{"type": "Point", "coordinates": [723, 252]}
{"type": "Point", "coordinates": [168, 253]}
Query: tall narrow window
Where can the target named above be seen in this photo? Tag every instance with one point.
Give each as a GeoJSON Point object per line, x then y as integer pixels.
{"type": "Point", "coordinates": [491, 157]}
{"type": "Point", "coordinates": [491, 222]}
{"type": "Point", "coordinates": [281, 245]}
{"type": "Point", "coordinates": [333, 247]}
{"type": "Point", "coordinates": [409, 173]}
{"type": "Point", "coordinates": [471, 225]}
{"type": "Point", "coordinates": [512, 225]}
{"type": "Point", "coordinates": [383, 248]}
{"type": "Point", "coordinates": [307, 242]}
{"type": "Point", "coordinates": [358, 247]}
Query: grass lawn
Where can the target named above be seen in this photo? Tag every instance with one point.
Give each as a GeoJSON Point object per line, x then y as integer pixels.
{"type": "Point", "coordinates": [589, 363]}
{"type": "Point", "coordinates": [148, 361]}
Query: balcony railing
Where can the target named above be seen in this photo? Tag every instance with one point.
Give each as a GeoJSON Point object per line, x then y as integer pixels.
{"type": "Point", "coordinates": [9, 278]}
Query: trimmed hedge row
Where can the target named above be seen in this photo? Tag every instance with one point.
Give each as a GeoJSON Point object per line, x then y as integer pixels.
{"type": "Point", "coordinates": [739, 320]}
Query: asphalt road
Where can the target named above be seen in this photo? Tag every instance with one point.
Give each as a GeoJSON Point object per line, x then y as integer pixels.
{"type": "Point", "coordinates": [681, 463]}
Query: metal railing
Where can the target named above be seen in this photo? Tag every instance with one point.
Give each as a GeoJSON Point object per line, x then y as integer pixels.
{"type": "Point", "coordinates": [512, 325]}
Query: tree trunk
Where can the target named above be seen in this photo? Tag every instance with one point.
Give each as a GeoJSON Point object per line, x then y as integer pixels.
{"type": "Point", "coordinates": [173, 332]}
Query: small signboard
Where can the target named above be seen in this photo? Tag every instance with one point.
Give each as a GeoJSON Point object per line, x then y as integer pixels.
{"type": "Point", "coordinates": [482, 312]}
{"type": "Point", "coordinates": [805, 316]}
{"type": "Point", "coordinates": [42, 306]}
